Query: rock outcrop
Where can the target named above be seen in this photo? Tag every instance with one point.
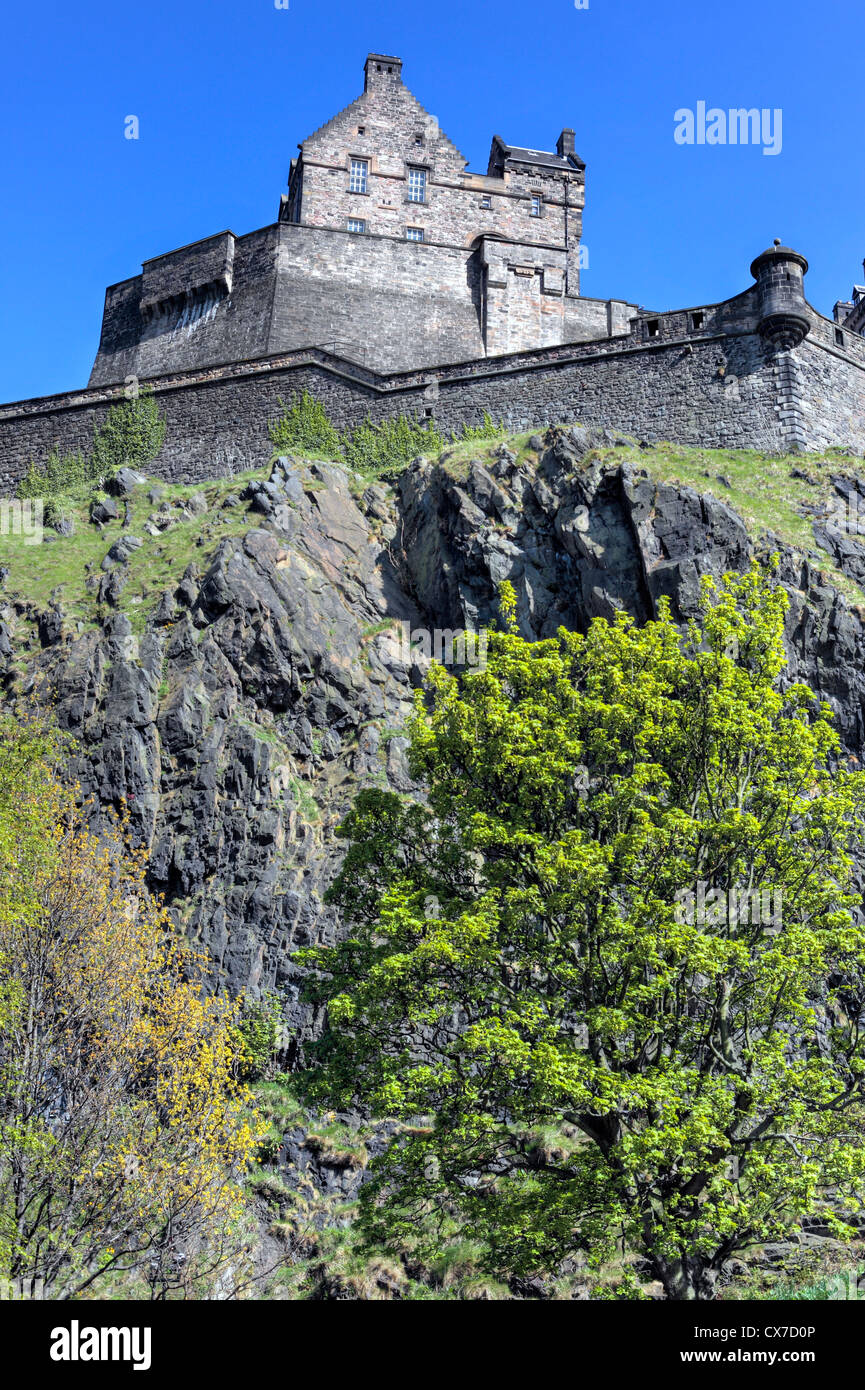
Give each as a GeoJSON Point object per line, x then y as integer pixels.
{"type": "Point", "coordinates": [236, 721]}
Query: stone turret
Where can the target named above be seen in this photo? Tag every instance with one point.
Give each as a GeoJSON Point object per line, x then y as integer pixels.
{"type": "Point", "coordinates": [782, 308]}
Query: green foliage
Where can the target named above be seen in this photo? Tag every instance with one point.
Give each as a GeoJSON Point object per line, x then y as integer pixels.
{"type": "Point", "coordinates": [304, 427]}
{"type": "Point", "coordinates": [488, 429]}
{"type": "Point", "coordinates": [131, 437]}
{"type": "Point", "coordinates": [257, 1038]}
{"type": "Point", "coordinates": [122, 1126]}
{"type": "Point", "coordinates": [60, 476]}
{"type": "Point", "coordinates": [389, 446]}
{"type": "Point", "coordinates": [508, 606]}
{"type": "Point", "coordinates": [525, 952]}
{"type": "Point", "coordinates": [132, 434]}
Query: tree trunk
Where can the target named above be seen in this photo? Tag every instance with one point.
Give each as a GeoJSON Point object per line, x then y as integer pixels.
{"type": "Point", "coordinates": [689, 1279]}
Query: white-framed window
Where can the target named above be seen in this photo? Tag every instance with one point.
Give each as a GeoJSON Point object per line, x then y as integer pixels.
{"type": "Point", "coordinates": [414, 233]}
{"type": "Point", "coordinates": [416, 185]}
{"type": "Point", "coordinates": [537, 204]}
{"type": "Point", "coordinates": [356, 224]}
{"type": "Point", "coordinates": [357, 175]}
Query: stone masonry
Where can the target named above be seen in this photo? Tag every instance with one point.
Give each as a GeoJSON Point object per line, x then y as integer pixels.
{"type": "Point", "coordinates": [851, 312]}
{"type": "Point", "coordinates": [387, 251]}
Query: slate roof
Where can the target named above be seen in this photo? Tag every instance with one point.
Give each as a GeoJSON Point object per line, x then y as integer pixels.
{"type": "Point", "coordinates": [520, 155]}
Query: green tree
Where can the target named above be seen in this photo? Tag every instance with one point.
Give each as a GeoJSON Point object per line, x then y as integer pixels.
{"type": "Point", "coordinates": [257, 1037]}
{"type": "Point", "coordinates": [563, 942]}
{"type": "Point", "coordinates": [123, 1130]}
{"type": "Point", "coordinates": [488, 429]}
{"type": "Point", "coordinates": [60, 476]}
{"type": "Point", "coordinates": [131, 437]}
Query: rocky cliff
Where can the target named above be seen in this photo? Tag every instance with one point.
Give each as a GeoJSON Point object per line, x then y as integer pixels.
{"type": "Point", "coordinates": [229, 669]}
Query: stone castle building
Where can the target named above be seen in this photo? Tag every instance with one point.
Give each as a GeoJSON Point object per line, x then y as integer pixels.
{"type": "Point", "coordinates": [397, 281]}
{"type": "Point", "coordinates": [851, 312]}
{"type": "Point", "coordinates": [387, 251]}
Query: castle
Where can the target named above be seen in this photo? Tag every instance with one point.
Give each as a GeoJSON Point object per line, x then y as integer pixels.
{"type": "Point", "coordinates": [397, 281]}
{"type": "Point", "coordinates": [386, 252]}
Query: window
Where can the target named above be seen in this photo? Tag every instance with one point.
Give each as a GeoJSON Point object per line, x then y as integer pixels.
{"type": "Point", "coordinates": [361, 130]}
{"type": "Point", "coordinates": [653, 328]}
{"type": "Point", "coordinates": [486, 201]}
{"type": "Point", "coordinates": [537, 203]}
{"type": "Point", "coordinates": [839, 337]}
{"type": "Point", "coordinates": [356, 224]}
{"type": "Point", "coordinates": [697, 320]}
{"type": "Point", "coordinates": [417, 185]}
{"type": "Point", "coordinates": [414, 233]}
{"type": "Point", "coordinates": [357, 175]}
{"type": "Point", "coordinates": [418, 139]}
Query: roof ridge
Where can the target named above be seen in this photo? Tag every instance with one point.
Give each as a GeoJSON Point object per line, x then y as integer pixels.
{"type": "Point", "coordinates": [335, 117]}
{"type": "Point", "coordinates": [439, 127]}
{"type": "Point", "coordinates": [412, 99]}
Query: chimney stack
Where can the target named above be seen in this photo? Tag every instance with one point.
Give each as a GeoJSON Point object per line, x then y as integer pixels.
{"type": "Point", "coordinates": [379, 70]}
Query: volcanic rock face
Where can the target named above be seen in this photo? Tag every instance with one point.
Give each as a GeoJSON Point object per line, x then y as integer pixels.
{"type": "Point", "coordinates": [266, 689]}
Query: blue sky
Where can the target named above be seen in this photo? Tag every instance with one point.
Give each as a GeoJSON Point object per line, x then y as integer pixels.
{"type": "Point", "coordinates": [224, 91]}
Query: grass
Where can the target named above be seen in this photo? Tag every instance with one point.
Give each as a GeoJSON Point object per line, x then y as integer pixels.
{"type": "Point", "coordinates": [328, 1257]}
{"type": "Point", "coordinates": [455, 458]}
{"type": "Point", "coordinates": [811, 1278]}
{"type": "Point", "coordinates": [60, 567]}
{"type": "Point", "coordinates": [770, 494]}
{"type": "Point", "coordinates": [762, 489]}
{"type": "Point", "coordinates": [305, 801]}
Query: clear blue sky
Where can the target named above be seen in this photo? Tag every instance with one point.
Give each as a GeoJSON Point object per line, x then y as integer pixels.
{"type": "Point", "coordinates": [224, 91]}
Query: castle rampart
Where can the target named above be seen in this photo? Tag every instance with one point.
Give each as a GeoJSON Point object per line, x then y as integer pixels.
{"type": "Point", "coordinates": [721, 384]}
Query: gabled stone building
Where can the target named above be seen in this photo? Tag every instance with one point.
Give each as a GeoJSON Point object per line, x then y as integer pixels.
{"type": "Point", "coordinates": [387, 251]}
{"type": "Point", "coordinates": [851, 312]}
{"type": "Point", "coordinates": [397, 282]}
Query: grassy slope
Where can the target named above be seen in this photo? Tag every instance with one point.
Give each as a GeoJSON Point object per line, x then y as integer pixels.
{"type": "Point", "coordinates": [761, 489]}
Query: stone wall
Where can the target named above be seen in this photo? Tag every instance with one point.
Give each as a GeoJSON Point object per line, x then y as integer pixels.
{"type": "Point", "coordinates": [181, 332]}
{"type": "Point", "coordinates": [178, 274]}
{"type": "Point", "coordinates": [382, 301]}
{"type": "Point", "coordinates": [339, 268]}
{"type": "Point", "coordinates": [832, 396]}
{"type": "Point", "coordinates": [716, 389]}
{"type": "Point", "coordinates": [376, 300]}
